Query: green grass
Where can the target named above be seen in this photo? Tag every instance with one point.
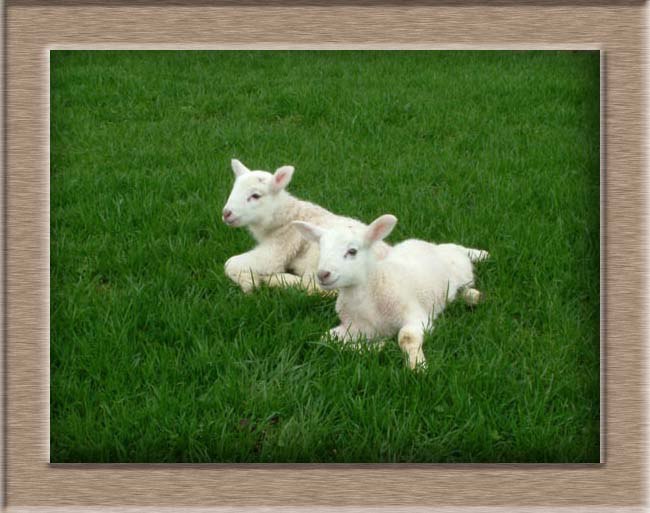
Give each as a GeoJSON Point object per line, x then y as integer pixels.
{"type": "Point", "coordinates": [157, 357]}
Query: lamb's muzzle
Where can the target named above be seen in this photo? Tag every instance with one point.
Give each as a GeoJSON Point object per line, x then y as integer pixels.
{"type": "Point", "coordinates": [323, 275]}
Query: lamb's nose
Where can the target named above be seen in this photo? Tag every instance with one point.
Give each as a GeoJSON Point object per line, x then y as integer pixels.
{"type": "Point", "coordinates": [323, 275]}
{"type": "Point", "coordinates": [226, 213]}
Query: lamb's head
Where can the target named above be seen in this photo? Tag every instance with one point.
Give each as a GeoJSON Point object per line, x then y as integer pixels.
{"type": "Point", "coordinates": [347, 252]}
{"type": "Point", "coordinates": [254, 195]}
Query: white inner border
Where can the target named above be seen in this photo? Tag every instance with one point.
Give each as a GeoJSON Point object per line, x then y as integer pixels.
{"type": "Point", "coordinates": [275, 46]}
{"type": "Point", "coordinates": [323, 46]}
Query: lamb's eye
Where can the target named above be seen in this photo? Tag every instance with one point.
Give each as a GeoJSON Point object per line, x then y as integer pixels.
{"type": "Point", "coordinates": [351, 252]}
{"type": "Point", "coordinates": [254, 196]}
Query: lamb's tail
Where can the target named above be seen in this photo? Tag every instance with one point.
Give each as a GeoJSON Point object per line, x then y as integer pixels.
{"type": "Point", "coordinates": [477, 255]}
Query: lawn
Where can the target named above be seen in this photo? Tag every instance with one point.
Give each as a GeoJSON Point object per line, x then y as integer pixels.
{"type": "Point", "coordinates": [157, 357]}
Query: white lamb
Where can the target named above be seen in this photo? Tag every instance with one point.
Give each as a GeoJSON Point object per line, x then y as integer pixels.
{"type": "Point", "coordinates": [401, 293]}
{"type": "Point", "coordinates": [282, 257]}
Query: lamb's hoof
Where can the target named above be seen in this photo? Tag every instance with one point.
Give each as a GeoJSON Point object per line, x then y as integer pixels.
{"type": "Point", "coordinates": [417, 364]}
{"type": "Point", "coordinates": [478, 255]}
{"type": "Point", "coordinates": [337, 335]}
{"type": "Point", "coordinates": [472, 296]}
{"type": "Point", "coordinates": [420, 366]}
{"type": "Point", "coordinates": [247, 286]}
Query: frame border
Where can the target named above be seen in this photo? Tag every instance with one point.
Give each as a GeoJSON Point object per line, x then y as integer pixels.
{"type": "Point", "coordinates": [7, 296]}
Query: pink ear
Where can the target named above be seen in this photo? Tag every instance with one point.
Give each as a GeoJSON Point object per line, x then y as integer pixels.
{"type": "Point", "coordinates": [282, 177]}
{"type": "Point", "coordinates": [380, 228]}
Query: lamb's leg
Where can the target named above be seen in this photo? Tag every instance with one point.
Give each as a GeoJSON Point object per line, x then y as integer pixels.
{"type": "Point", "coordinates": [353, 337]}
{"type": "Point", "coordinates": [410, 339]}
{"type": "Point", "coordinates": [306, 282]}
{"type": "Point", "coordinates": [248, 269]}
{"type": "Point", "coordinates": [286, 280]}
{"type": "Point", "coordinates": [343, 333]}
{"type": "Point", "coordinates": [241, 274]}
{"type": "Point", "coordinates": [475, 255]}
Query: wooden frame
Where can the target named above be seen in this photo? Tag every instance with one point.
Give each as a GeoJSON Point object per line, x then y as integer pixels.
{"type": "Point", "coordinates": [33, 27]}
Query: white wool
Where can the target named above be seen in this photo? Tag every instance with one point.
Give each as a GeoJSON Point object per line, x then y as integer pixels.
{"type": "Point", "coordinates": [259, 202]}
{"type": "Point", "coordinates": [401, 293]}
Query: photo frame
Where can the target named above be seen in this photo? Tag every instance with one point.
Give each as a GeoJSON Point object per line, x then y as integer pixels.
{"type": "Point", "coordinates": [35, 27]}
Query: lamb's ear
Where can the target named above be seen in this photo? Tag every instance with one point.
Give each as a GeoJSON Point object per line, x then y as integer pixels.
{"type": "Point", "coordinates": [238, 168]}
{"type": "Point", "coordinates": [309, 231]}
{"type": "Point", "coordinates": [281, 178]}
{"type": "Point", "coordinates": [380, 228]}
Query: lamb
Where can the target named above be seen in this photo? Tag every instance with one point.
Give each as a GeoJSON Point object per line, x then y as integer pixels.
{"type": "Point", "coordinates": [282, 257]}
{"type": "Point", "coordinates": [401, 293]}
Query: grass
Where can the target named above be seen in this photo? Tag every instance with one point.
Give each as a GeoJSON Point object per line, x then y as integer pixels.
{"type": "Point", "coordinates": [157, 357]}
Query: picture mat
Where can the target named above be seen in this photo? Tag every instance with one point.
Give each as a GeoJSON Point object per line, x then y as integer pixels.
{"type": "Point", "coordinates": [33, 30]}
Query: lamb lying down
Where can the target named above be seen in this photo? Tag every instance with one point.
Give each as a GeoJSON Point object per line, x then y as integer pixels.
{"type": "Point", "coordinates": [260, 202]}
{"type": "Point", "coordinates": [401, 293]}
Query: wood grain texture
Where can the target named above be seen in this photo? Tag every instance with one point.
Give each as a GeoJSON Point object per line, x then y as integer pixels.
{"type": "Point", "coordinates": [33, 28]}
